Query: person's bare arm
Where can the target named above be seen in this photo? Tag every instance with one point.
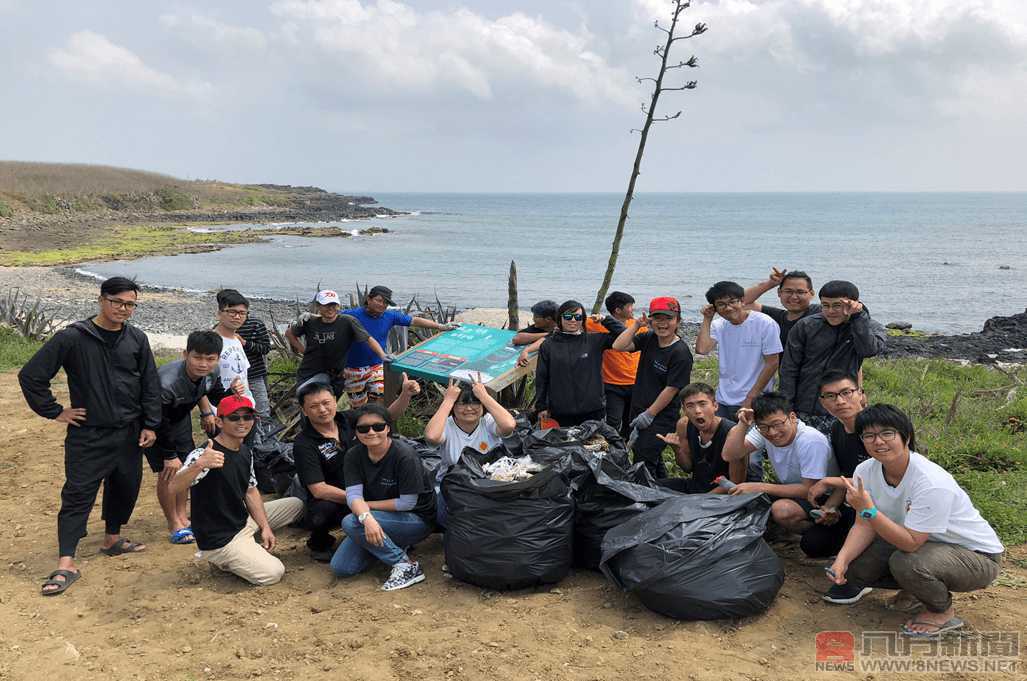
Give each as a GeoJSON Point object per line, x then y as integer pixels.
{"type": "Point", "coordinates": [325, 492]}
{"type": "Point", "coordinates": [294, 342]}
{"type": "Point", "coordinates": [525, 356]}
{"type": "Point", "coordinates": [625, 342]}
{"type": "Point", "coordinates": [435, 429]}
{"type": "Point", "coordinates": [736, 447]}
{"type": "Point", "coordinates": [795, 490]}
{"type": "Point", "coordinates": [527, 338]}
{"type": "Point", "coordinates": [665, 397]}
{"type": "Point", "coordinates": [505, 423]}
{"type": "Point", "coordinates": [770, 365]}
{"type": "Point", "coordinates": [753, 293]}
{"type": "Point", "coordinates": [408, 388]}
{"type": "Point", "coordinates": [255, 506]}
{"type": "Point", "coordinates": [704, 343]}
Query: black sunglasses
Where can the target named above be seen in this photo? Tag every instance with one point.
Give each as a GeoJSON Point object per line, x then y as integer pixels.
{"type": "Point", "coordinates": [235, 418]}
{"type": "Point", "coordinates": [572, 316]}
{"type": "Point", "coordinates": [365, 428]}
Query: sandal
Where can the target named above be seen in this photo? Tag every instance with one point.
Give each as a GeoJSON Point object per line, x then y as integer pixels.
{"type": "Point", "coordinates": [122, 546]}
{"type": "Point", "coordinates": [952, 625]}
{"type": "Point", "coordinates": [70, 577]}
{"type": "Point", "coordinates": [183, 536]}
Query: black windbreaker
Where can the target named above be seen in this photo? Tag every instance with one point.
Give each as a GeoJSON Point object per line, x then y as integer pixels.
{"type": "Point", "coordinates": [569, 374]}
{"type": "Point", "coordinates": [116, 385]}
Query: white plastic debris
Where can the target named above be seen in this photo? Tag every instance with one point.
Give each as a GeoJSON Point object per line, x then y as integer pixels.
{"type": "Point", "coordinates": [509, 469]}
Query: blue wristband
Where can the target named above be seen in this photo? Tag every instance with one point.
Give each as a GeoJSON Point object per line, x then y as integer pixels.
{"type": "Point", "coordinates": [869, 513]}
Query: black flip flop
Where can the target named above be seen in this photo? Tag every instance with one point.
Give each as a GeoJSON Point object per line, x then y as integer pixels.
{"type": "Point", "coordinates": [70, 577]}
{"type": "Point", "coordinates": [121, 546]}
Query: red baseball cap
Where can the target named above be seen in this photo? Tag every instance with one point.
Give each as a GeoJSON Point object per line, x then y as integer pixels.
{"type": "Point", "coordinates": [664, 304]}
{"type": "Point", "coordinates": [234, 403]}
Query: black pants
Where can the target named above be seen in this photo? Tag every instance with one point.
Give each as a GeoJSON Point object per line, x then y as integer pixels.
{"type": "Point", "coordinates": [569, 420]}
{"type": "Point", "coordinates": [92, 456]}
{"type": "Point", "coordinates": [323, 517]}
{"type": "Point", "coordinates": [824, 541]}
{"type": "Point", "coordinates": [729, 411]}
{"type": "Point", "coordinates": [618, 406]}
{"type": "Point", "coordinates": [649, 448]}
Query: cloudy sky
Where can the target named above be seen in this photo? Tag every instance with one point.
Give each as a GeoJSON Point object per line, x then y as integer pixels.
{"type": "Point", "coordinates": [523, 95]}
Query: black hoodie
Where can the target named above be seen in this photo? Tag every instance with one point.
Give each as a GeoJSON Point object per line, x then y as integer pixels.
{"type": "Point", "coordinates": [569, 374]}
{"type": "Point", "coordinates": [117, 384]}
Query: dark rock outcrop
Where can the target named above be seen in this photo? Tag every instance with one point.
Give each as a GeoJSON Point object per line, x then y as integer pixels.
{"type": "Point", "coordinates": [1003, 339]}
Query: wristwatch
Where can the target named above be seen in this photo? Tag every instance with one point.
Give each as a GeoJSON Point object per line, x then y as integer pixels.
{"type": "Point", "coordinates": [868, 513]}
{"type": "Point", "coordinates": [363, 516]}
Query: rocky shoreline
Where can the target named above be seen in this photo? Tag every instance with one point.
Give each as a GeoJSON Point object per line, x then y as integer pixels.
{"type": "Point", "coordinates": [1002, 339]}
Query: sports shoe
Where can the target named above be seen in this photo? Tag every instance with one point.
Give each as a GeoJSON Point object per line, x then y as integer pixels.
{"type": "Point", "coordinates": [403, 575]}
{"type": "Point", "coordinates": [844, 594]}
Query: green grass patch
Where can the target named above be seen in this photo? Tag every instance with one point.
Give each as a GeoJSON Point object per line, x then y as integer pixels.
{"type": "Point", "coordinates": [5, 210]}
{"type": "Point", "coordinates": [15, 350]}
{"type": "Point", "coordinates": [132, 241]}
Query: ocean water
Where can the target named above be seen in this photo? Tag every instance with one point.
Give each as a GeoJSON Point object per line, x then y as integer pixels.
{"type": "Point", "coordinates": [930, 259]}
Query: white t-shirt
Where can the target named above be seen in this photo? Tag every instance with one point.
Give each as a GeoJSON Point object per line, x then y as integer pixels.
{"type": "Point", "coordinates": [929, 500]}
{"type": "Point", "coordinates": [808, 456]}
{"type": "Point", "coordinates": [233, 364]}
{"type": "Point", "coordinates": [741, 348]}
{"type": "Point", "coordinates": [484, 438]}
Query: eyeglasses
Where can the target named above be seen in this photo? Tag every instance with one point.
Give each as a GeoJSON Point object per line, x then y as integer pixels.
{"type": "Point", "coordinates": [844, 394]}
{"type": "Point", "coordinates": [235, 313]}
{"type": "Point", "coordinates": [771, 427]}
{"type": "Point", "coordinates": [886, 435]}
{"type": "Point", "coordinates": [795, 292]}
{"type": "Point", "coordinates": [721, 304]}
{"type": "Point", "coordinates": [236, 418]}
{"type": "Point", "coordinates": [365, 428]}
{"type": "Point", "coordinates": [122, 304]}
{"type": "Point", "coordinates": [572, 316]}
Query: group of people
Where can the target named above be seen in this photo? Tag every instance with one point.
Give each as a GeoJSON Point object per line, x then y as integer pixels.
{"type": "Point", "coordinates": [788, 418]}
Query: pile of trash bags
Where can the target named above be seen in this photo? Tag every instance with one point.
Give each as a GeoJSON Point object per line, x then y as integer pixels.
{"type": "Point", "coordinates": [273, 463]}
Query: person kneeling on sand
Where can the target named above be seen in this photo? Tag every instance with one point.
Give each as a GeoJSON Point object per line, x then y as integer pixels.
{"type": "Point", "coordinates": [915, 528]}
{"type": "Point", "coordinates": [391, 502]}
{"type": "Point", "coordinates": [227, 510]}
{"type": "Point", "coordinates": [467, 417]}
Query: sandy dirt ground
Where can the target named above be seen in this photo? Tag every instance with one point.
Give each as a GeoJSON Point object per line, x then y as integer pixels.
{"type": "Point", "coordinates": [164, 615]}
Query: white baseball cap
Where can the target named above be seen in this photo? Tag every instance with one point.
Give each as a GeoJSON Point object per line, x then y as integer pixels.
{"type": "Point", "coordinates": [327, 297]}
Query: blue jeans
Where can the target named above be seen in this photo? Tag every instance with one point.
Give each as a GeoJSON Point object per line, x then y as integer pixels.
{"type": "Point", "coordinates": [355, 553]}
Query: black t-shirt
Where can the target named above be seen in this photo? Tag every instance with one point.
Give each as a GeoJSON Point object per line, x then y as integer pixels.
{"type": "Point", "coordinates": [848, 449]}
{"type": "Point", "coordinates": [218, 497]}
{"type": "Point", "coordinates": [707, 462]}
{"type": "Point", "coordinates": [319, 458]}
{"type": "Point", "coordinates": [109, 337]}
{"type": "Point", "coordinates": [399, 472]}
{"type": "Point", "coordinates": [531, 328]}
{"type": "Point", "coordinates": [327, 344]}
{"type": "Point", "coordinates": [781, 317]}
{"type": "Point", "coordinates": [659, 368]}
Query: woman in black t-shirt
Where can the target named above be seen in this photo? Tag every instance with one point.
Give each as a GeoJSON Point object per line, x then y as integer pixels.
{"type": "Point", "coordinates": [391, 502]}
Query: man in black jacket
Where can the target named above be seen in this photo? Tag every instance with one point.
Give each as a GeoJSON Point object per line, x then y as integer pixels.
{"type": "Point", "coordinates": [115, 409]}
{"type": "Point", "coordinates": [839, 337]}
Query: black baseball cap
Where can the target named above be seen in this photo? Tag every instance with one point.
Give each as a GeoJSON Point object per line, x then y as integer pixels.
{"type": "Point", "coordinates": [383, 291]}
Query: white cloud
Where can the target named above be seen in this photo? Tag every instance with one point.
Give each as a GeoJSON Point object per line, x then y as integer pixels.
{"type": "Point", "coordinates": [399, 48]}
{"type": "Point", "coordinates": [92, 57]}
{"type": "Point", "coordinates": [206, 31]}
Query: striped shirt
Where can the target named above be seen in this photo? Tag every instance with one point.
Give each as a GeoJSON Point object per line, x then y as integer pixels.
{"type": "Point", "coordinates": [258, 344]}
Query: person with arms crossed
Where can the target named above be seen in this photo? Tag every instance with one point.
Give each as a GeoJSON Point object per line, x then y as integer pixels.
{"type": "Point", "coordinates": [749, 347]}
{"type": "Point", "coordinates": [326, 434]}
{"type": "Point", "coordinates": [664, 368]}
{"type": "Point", "coordinates": [364, 373]}
{"type": "Point", "coordinates": [227, 509]}
{"type": "Point", "coordinates": [115, 409]}
{"type": "Point", "coordinates": [916, 528]}
{"type": "Point", "coordinates": [800, 456]}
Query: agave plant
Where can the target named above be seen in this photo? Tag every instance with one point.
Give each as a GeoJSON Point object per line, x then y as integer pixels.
{"type": "Point", "coordinates": [27, 316]}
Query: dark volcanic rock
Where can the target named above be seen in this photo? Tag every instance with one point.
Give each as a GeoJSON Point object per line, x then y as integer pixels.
{"type": "Point", "coordinates": [900, 326]}
{"type": "Point", "coordinates": [1003, 339]}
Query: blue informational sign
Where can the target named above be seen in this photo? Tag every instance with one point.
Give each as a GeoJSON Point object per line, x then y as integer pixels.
{"type": "Point", "coordinates": [463, 353]}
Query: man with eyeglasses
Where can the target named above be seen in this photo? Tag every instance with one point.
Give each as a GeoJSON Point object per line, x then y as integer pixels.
{"type": "Point", "coordinates": [794, 288]}
{"type": "Point", "coordinates": [799, 454]}
{"type": "Point", "coordinates": [749, 347]}
{"type": "Point", "coordinates": [227, 509]}
{"type": "Point", "coordinates": [115, 410]}
{"type": "Point", "coordinates": [839, 337]}
{"type": "Point", "coordinates": [233, 365]}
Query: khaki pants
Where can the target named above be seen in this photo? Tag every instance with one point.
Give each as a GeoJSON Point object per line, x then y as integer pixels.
{"type": "Point", "coordinates": [244, 557]}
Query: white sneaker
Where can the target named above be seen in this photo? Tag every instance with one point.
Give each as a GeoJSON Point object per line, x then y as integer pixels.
{"type": "Point", "coordinates": [403, 575]}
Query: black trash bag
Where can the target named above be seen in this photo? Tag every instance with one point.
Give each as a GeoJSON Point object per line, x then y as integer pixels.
{"type": "Point", "coordinates": [697, 557]}
{"type": "Point", "coordinates": [609, 497]}
{"type": "Point", "coordinates": [430, 455]}
{"type": "Point", "coordinates": [273, 465]}
{"type": "Point", "coordinates": [506, 535]}
{"type": "Point", "coordinates": [569, 449]}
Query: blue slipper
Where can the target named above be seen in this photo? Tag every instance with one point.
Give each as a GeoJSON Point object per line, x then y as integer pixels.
{"type": "Point", "coordinates": [183, 536]}
{"type": "Point", "coordinates": [951, 625]}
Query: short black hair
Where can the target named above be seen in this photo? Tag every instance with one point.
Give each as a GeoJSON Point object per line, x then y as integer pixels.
{"type": "Point", "coordinates": [467, 396]}
{"type": "Point", "coordinates": [887, 416]}
{"type": "Point", "coordinates": [312, 388]}
{"type": "Point", "coordinates": [617, 300]}
{"type": "Point", "coordinates": [797, 274]}
{"type": "Point", "coordinates": [835, 375]}
{"type": "Point", "coordinates": [116, 285]}
{"type": "Point", "coordinates": [204, 343]}
{"type": "Point", "coordinates": [770, 403]}
{"type": "Point", "coordinates": [229, 297]}
{"type": "Point", "coordinates": [545, 309]}
{"type": "Point", "coordinates": [374, 409]}
{"type": "Point", "coordinates": [567, 306]}
{"type": "Point", "coordinates": [724, 289]}
{"type": "Point", "coordinates": [693, 389]}
{"type": "Point", "coordinates": [839, 288]}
